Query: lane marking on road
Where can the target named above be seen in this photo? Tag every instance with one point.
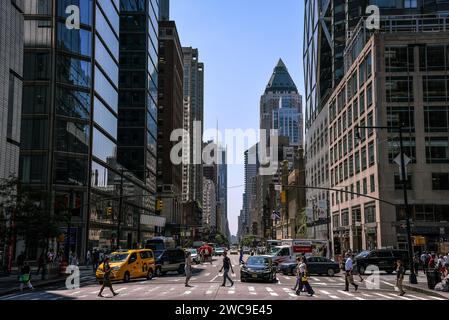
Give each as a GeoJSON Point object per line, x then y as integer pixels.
{"type": "Point", "coordinates": [358, 298]}
{"type": "Point", "coordinates": [74, 293]}
{"type": "Point", "coordinates": [207, 274]}
{"type": "Point", "coordinates": [151, 290]}
{"type": "Point", "coordinates": [398, 296]}
{"type": "Point", "coordinates": [287, 278]}
{"type": "Point", "coordinates": [213, 279]}
{"type": "Point", "coordinates": [334, 297]}
{"type": "Point", "coordinates": [315, 279]}
{"type": "Point", "coordinates": [292, 295]}
{"type": "Point", "coordinates": [320, 283]}
{"type": "Point", "coordinates": [387, 283]}
{"type": "Point", "coordinates": [187, 292]}
{"type": "Point", "coordinates": [121, 289]}
{"type": "Point", "coordinates": [18, 295]}
{"type": "Point", "coordinates": [383, 296]}
{"type": "Point", "coordinates": [367, 295]}
{"type": "Point", "coordinates": [346, 293]}
{"type": "Point", "coordinates": [286, 289]}
{"type": "Point", "coordinates": [325, 292]}
{"type": "Point", "coordinates": [251, 289]}
{"type": "Point", "coordinates": [436, 298]}
{"type": "Point", "coordinates": [416, 297]}
{"type": "Point", "coordinates": [136, 289]}
{"type": "Point", "coordinates": [330, 280]}
{"type": "Point", "coordinates": [271, 291]}
{"type": "Point", "coordinates": [84, 296]}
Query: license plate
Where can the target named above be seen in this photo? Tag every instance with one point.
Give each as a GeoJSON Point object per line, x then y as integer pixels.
{"type": "Point", "coordinates": [254, 275]}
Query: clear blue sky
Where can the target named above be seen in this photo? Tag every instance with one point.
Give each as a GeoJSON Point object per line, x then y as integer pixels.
{"type": "Point", "coordinates": [240, 42]}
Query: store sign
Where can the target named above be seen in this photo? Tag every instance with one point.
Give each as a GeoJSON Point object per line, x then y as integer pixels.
{"type": "Point", "coordinates": [300, 246]}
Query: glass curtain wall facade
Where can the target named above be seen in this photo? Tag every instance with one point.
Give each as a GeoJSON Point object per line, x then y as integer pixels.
{"type": "Point", "coordinates": [138, 90]}
{"type": "Point", "coordinates": [70, 123]}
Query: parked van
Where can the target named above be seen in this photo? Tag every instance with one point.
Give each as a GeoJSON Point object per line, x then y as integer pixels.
{"type": "Point", "coordinates": [129, 265]}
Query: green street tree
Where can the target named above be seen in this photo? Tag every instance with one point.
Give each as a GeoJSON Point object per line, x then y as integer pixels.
{"type": "Point", "coordinates": [29, 214]}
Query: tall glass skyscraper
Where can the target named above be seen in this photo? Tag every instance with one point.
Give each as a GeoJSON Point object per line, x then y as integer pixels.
{"type": "Point", "coordinates": [70, 121]}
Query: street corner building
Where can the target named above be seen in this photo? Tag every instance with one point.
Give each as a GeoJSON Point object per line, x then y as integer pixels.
{"type": "Point", "coordinates": [391, 77]}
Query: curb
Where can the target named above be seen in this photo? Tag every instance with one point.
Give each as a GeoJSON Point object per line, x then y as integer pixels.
{"type": "Point", "coordinates": [428, 292]}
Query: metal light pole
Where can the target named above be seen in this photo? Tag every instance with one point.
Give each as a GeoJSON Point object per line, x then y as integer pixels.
{"type": "Point", "coordinates": [413, 279]}
{"type": "Point", "coordinates": [120, 206]}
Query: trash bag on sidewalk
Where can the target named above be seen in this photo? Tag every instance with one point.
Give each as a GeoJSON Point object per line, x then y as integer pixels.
{"type": "Point", "coordinates": [431, 279]}
{"type": "Point", "coordinates": [442, 286]}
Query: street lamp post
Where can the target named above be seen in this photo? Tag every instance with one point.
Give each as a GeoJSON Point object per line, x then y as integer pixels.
{"type": "Point", "coordinates": [413, 279]}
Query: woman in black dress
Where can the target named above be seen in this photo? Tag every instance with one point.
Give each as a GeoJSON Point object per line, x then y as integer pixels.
{"type": "Point", "coordinates": [106, 279]}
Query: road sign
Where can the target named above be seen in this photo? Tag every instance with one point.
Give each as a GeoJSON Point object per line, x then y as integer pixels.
{"type": "Point", "coordinates": [407, 161]}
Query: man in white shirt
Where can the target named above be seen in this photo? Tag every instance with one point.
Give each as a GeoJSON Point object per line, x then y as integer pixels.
{"type": "Point", "coordinates": [349, 279]}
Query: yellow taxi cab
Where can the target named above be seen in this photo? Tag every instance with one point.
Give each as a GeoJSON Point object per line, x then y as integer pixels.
{"type": "Point", "coordinates": [129, 265]}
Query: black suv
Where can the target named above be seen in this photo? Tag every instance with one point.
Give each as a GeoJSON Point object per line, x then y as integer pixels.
{"type": "Point", "coordinates": [384, 259]}
{"type": "Point", "coordinates": [169, 260]}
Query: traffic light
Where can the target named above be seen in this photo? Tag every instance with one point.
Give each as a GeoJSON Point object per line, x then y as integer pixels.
{"type": "Point", "coordinates": [109, 211]}
{"type": "Point", "coordinates": [159, 205]}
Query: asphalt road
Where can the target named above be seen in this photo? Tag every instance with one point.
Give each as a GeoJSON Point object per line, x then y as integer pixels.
{"type": "Point", "coordinates": [206, 285]}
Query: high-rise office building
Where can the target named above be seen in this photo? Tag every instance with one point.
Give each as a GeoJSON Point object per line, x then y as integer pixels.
{"type": "Point", "coordinates": [251, 165]}
{"type": "Point", "coordinates": [11, 65]}
{"type": "Point", "coordinates": [72, 124]}
{"type": "Point", "coordinates": [209, 205]}
{"type": "Point", "coordinates": [169, 175]}
{"type": "Point", "coordinates": [222, 189]}
{"type": "Point", "coordinates": [281, 106]}
{"type": "Point", "coordinates": [373, 82]}
{"type": "Point", "coordinates": [11, 76]}
{"type": "Point", "coordinates": [193, 125]}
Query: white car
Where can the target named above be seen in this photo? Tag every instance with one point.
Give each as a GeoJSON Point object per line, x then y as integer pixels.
{"type": "Point", "coordinates": [234, 250]}
{"type": "Point", "coordinates": [194, 255]}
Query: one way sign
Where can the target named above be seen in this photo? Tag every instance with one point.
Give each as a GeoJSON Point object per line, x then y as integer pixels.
{"type": "Point", "coordinates": [407, 161]}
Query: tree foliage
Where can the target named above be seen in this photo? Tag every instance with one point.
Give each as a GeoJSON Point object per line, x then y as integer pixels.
{"type": "Point", "coordinates": [29, 212]}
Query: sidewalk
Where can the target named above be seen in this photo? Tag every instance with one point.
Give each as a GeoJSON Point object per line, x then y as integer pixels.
{"type": "Point", "coordinates": [423, 288]}
{"type": "Point", "coordinates": [10, 284]}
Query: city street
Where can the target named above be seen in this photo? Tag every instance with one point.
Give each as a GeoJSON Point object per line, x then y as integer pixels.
{"type": "Point", "coordinates": [206, 285]}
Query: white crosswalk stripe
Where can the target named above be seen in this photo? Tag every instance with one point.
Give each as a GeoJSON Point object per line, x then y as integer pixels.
{"type": "Point", "coordinates": [359, 298]}
{"type": "Point", "coordinates": [383, 296]}
{"type": "Point", "coordinates": [436, 298]}
{"type": "Point", "coordinates": [416, 297]}
{"type": "Point", "coordinates": [398, 296]}
{"type": "Point", "coordinates": [346, 293]}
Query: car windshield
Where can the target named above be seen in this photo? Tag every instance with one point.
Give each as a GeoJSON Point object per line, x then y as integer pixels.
{"type": "Point", "coordinates": [158, 253]}
{"type": "Point", "coordinates": [219, 249]}
{"type": "Point", "coordinates": [257, 261]}
{"type": "Point", "coordinates": [363, 254]}
{"type": "Point", "coordinates": [192, 251]}
{"type": "Point", "coordinates": [274, 250]}
{"type": "Point", "coordinates": [118, 257]}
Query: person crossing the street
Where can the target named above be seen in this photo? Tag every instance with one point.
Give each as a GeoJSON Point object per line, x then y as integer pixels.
{"type": "Point", "coordinates": [349, 278]}
{"type": "Point", "coordinates": [303, 278]}
{"type": "Point", "coordinates": [107, 269]}
{"type": "Point", "coordinates": [226, 266]}
{"type": "Point", "coordinates": [188, 268]}
{"type": "Point", "coordinates": [400, 272]}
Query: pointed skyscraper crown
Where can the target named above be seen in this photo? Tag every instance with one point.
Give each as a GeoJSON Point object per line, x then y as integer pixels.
{"type": "Point", "coordinates": [280, 79]}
